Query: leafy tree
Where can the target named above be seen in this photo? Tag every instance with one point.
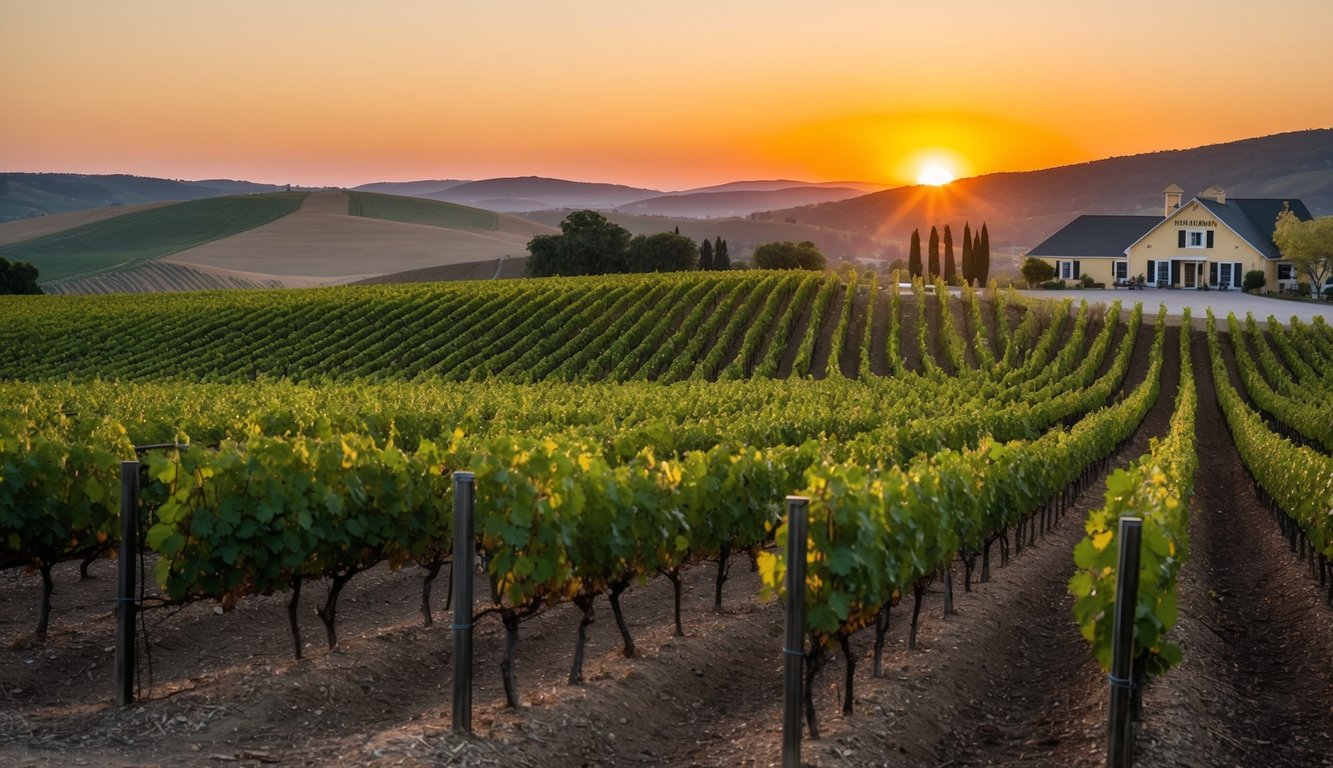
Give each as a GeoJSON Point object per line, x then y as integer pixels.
{"type": "Point", "coordinates": [18, 277]}
{"type": "Point", "coordinates": [788, 255]}
{"type": "Point", "coordinates": [981, 252]}
{"type": "Point", "coordinates": [914, 256]}
{"type": "Point", "coordinates": [706, 255]}
{"type": "Point", "coordinates": [721, 259]}
{"type": "Point", "coordinates": [934, 264]}
{"type": "Point", "coordinates": [969, 265]}
{"type": "Point", "coordinates": [1308, 245]}
{"type": "Point", "coordinates": [662, 252]}
{"type": "Point", "coordinates": [1254, 280]}
{"type": "Point", "coordinates": [1036, 271]}
{"type": "Point", "coordinates": [950, 271]}
{"type": "Point", "coordinates": [589, 244]}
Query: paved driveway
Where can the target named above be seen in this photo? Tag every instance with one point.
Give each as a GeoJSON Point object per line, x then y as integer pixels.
{"type": "Point", "coordinates": [1222, 302]}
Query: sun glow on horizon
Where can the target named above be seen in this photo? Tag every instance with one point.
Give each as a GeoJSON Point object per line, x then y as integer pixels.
{"type": "Point", "coordinates": [934, 175]}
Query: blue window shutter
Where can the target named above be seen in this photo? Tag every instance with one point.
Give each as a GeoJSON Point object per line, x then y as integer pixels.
{"type": "Point", "coordinates": [1076, 273]}
{"type": "Point", "coordinates": [1212, 273]}
{"type": "Point", "coordinates": [1235, 274]}
{"type": "Point", "coordinates": [1210, 238]}
{"type": "Point", "coordinates": [1180, 239]}
{"type": "Point", "coordinates": [1152, 270]}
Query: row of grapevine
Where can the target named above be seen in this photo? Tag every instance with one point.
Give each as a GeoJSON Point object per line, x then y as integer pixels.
{"type": "Point", "coordinates": [1157, 489]}
{"type": "Point", "coordinates": [878, 529]}
{"type": "Point", "coordinates": [1311, 368]}
{"type": "Point", "coordinates": [312, 420]}
{"type": "Point", "coordinates": [622, 327]}
{"type": "Point", "coordinates": [1305, 417]}
{"type": "Point", "coordinates": [1297, 479]}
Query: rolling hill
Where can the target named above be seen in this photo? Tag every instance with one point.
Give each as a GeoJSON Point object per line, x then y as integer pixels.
{"type": "Point", "coordinates": [703, 205]}
{"type": "Point", "coordinates": [421, 188]}
{"type": "Point", "coordinates": [1022, 209]}
{"type": "Point", "coordinates": [773, 185]}
{"type": "Point", "coordinates": [31, 195]}
{"type": "Point", "coordinates": [123, 242]}
{"type": "Point", "coordinates": [272, 240]}
{"type": "Point", "coordinates": [529, 193]}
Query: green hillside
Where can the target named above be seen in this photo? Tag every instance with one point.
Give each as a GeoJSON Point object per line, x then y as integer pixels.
{"type": "Point", "coordinates": [415, 210]}
{"type": "Point", "coordinates": [125, 241]}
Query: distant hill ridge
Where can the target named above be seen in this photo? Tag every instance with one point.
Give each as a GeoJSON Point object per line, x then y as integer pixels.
{"type": "Point", "coordinates": [28, 195]}
{"type": "Point", "coordinates": [1024, 208]}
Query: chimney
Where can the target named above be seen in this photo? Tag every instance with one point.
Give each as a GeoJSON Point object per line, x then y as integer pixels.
{"type": "Point", "coordinates": [1173, 194]}
{"type": "Point", "coordinates": [1214, 193]}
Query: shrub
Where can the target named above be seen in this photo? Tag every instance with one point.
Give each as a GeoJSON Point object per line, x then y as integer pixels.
{"type": "Point", "coordinates": [1036, 271]}
{"type": "Point", "coordinates": [1254, 280]}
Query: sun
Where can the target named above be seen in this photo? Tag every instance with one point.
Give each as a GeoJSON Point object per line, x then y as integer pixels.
{"type": "Point", "coordinates": [934, 174]}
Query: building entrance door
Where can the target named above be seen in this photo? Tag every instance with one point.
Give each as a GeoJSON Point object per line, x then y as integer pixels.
{"type": "Point", "coordinates": [1191, 274]}
{"type": "Point", "coordinates": [1224, 275]}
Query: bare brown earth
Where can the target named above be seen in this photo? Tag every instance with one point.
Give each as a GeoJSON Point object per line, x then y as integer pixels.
{"type": "Point", "coordinates": [1005, 681]}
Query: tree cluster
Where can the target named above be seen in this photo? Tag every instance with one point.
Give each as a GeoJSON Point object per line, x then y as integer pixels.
{"type": "Point", "coordinates": [788, 255]}
{"type": "Point", "coordinates": [714, 256]}
{"type": "Point", "coordinates": [1308, 245]}
{"type": "Point", "coordinates": [17, 278]}
{"type": "Point", "coordinates": [589, 244]}
{"type": "Point", "coordinates": [975, 267]}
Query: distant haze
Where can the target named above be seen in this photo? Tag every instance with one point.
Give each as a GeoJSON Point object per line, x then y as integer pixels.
{"type": "Point", "coordinates": [661, 96]}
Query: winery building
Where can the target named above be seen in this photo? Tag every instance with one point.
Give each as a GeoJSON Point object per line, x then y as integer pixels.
{"type": "Point", "coordinates": [1208, 241]}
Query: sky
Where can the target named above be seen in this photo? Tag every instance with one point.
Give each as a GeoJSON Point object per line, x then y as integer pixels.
{"type": "Point", "coordinates": [665, 95]}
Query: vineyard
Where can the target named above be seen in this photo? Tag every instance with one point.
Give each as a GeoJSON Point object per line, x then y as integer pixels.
{"type": "Point", "coordinates": [967, 455]}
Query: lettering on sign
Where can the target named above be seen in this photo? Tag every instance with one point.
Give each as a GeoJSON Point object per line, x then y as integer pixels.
{"type": "Point", "coordinates": [1195, 223]}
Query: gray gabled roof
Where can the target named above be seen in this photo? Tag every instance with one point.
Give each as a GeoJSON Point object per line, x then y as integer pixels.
{"type": "Point", "coordinates": [1093, 236]}
{"type": "Point", "coordinates": [1254, 219]}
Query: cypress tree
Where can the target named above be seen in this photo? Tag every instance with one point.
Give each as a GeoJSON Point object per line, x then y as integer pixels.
{"type": "Point", "coordinates": [721, 259]}
{"type": "Point", "coordinates": [950, 271]}
{"type": "Point", "coordinates": [706, 255]}
{"type": "Point", "coordinates": [933, 263]}
{"type": "Point", "coordinates": [914, 256]}
{"type": "Point", "coordinates": [969, 265]}
{"type": "Point", "coordinates": [983, 260]}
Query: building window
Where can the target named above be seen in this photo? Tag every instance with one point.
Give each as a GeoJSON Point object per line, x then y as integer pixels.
{"type": "Point", "coordinates": [1195, 238]}
{"type": "Point", "coordinates": [1163, 273]}
{"type": "Point", "coordinates": [1066, 270]}
{"type": "Point", "coordinates": [1120, 270]}
{"type": "Point", "coordinates": [1286, 272]}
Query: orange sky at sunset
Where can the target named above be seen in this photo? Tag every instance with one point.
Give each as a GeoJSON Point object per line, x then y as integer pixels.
{"type": "Point", "coordinates": [663, 94]}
